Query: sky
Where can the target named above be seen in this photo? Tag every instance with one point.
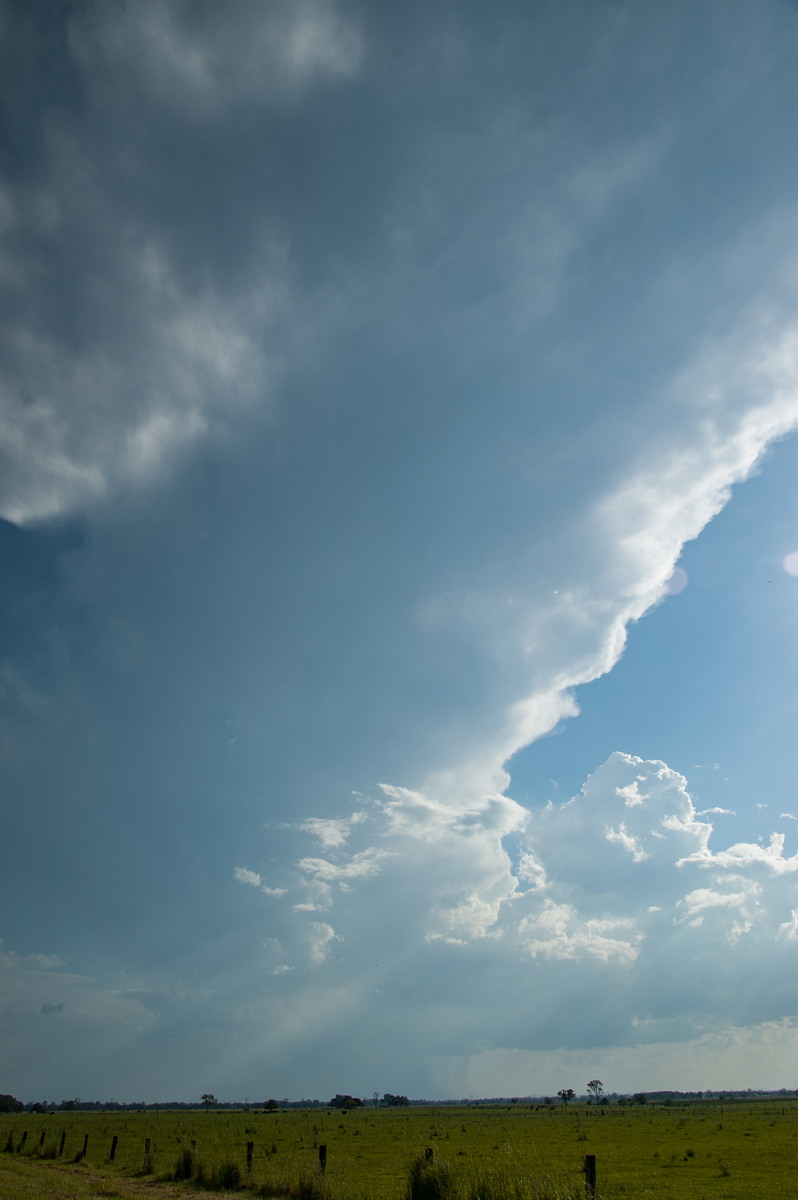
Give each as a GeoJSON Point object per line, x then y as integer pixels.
{"type": "Point", "coordinates": [399, 547]}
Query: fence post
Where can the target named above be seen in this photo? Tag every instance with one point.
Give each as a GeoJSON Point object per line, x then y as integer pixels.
{"type": "Point", "coordinates": [23, 1140]}
{"type": "Point", "coordinates": [61, 1146]}
{"type": "Point", "coordinates": [323, 1157]}
{"type": "Point", "coordinates": [250, 1150]}
{"type": "Point", "coordinates": [146, 1145]}
{"type": "Point", "coordinates": [112, 1155]}
{"type": "Point", "coordinates": [590, 1176]}
{"type": "Point", "coordinates": [85, 1145]}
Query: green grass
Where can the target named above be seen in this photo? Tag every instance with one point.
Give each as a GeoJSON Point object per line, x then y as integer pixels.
{"type": "Point", "coordinates": [708, 1151]}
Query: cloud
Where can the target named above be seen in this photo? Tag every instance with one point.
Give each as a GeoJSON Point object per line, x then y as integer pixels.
{"type": "Point", "coordinates": [121, 357]}
{"type": "Point", "coordinates": [386, 390]}
{"type": "Point", "coordinates": [361, 865]}
{"type": "Point", "coordinates": [243, 875]}
{"type": "Point", "coordinates": [11, 961]}
{"type": "Point", "coordinates": [617, 892]}
{"type": "Point", "coordinates": [194, 363]}
{"type": "Point", "coordinates": [97, 1014]}
{"type": "Point", "coordinates": [615, 560]}
{"type": "Point", "coordinates": [192, 59]}
{"type": "Point", "coordinates": [320, 939]}
{"type": "Point", "coordinates": [557, 931]}
{"type": "Point", "coordinates": [747, 854]}
{"type": "Point", "coordinates": [332, 833]}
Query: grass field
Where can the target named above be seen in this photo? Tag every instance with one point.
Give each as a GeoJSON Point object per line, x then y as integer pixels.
{"type": "Point", "coordinates": [710, 1151]}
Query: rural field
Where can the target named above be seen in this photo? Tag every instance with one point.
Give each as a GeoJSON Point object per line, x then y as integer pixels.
{"type": "Point", "coordinates": [702, 1151]}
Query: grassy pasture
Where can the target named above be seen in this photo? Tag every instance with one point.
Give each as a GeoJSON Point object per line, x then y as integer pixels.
{"type": "Point", "coordinates": [709, 1151]}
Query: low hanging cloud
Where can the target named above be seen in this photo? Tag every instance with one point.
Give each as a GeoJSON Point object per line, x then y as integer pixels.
{"type": "Point", "coordinates": [623, 882]}
{"type": "Point", "coordinates": [194, 58]}
{"type": "Point", "coordinates": [119, 357]}
{"type": "Point", "coordinates": [614, 559]}
{"type": "Point", "coordinates": [103, 1016]}
{"type": "Point", "coordinates": [142, 383]}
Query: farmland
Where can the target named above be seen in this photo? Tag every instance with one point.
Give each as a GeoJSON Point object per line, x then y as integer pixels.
{"type": "Point", "coordinates": [701, 1151]}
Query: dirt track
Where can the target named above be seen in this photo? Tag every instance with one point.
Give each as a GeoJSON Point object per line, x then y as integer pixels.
{"type": "Point", "coordinates": [25, 1180]}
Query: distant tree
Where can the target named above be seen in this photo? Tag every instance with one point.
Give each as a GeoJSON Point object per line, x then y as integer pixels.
{"type": "Point", "coordinates": [390, 1100]}
{"type": "Point", "coordinates": [69, 1105]}
{"type": "Point", "coordinates": [208, 1099]}
{"type": "Point", "coordinates": [271, 1106]}
{"type": "Point", "coordinates": [566, 1094]}
{"type": "Point", "coordinates": [341, 1101]}
{"type": "Point", "coordinates": [640, 1097]}
{"type": "Point", "coordinates": [10, 1104]}
{"type": "Point", "coordinates": [595, 1087]}
{"type": "Point", "coordinates": [37, 1107]}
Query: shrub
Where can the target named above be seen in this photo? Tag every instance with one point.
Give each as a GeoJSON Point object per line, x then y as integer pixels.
{"type": "Point", "coordinates": [508, 1183]}
{"type": "Point", "coordinates": [429, 1180]}
{"type": "Point", "coordinates": [226, 1177]}
{"type": "Point", "coordinates": [304, 1186]}
{"type": "Point", "coordinates": [184, 1165]}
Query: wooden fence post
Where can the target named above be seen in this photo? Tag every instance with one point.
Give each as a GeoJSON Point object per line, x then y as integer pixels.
{"type": "Point", "coordinates": [323, 1157]}
{"type": "Point", "coordinates": [23, 1140]}
{"type": "Point", "coordinates": [112, 1155]}
{"type": "Point", "coordinates": [85, 1145]}
{"type": "Point", "coordinates": [250, 1151]}
{"type": "Point", "coordinates": [146, 1145]}
{"type": "Point", "coordinates": [590, 1176]}
{"type": "Point", "coordinates": [61, 1146]}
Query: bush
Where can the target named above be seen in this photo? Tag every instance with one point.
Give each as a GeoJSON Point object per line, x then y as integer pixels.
{"type": "Point", "coordinates": [184, 1165]}
{"type": "Point", "coordinates": [507, 1183]}
{"type": "Point", "coordinates": [304, 1186]}
{"type": "Point", "coordinates": [226, 1177]}
{"type": "Point", "coordinates": [429, 1180]}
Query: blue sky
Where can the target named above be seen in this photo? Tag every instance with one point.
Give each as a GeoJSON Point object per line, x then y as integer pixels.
{"type": "Point", "coordinates": [397, 656]}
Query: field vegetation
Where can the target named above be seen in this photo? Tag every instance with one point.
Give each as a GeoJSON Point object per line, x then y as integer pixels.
{"type": "Point", "coordinates": [698, 1151]}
